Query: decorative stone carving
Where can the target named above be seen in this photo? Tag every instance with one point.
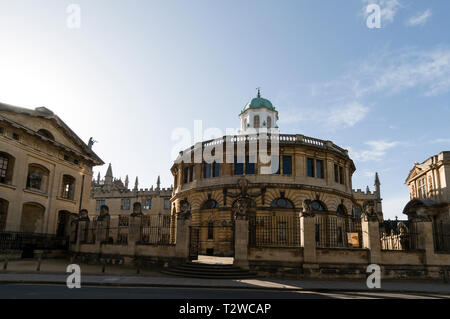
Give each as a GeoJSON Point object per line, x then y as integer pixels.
{"type": "Point", "coordinates": [307, 208]}
{"type": "Point", "coordinates": [369, 213]}
{"type": "Point", "coordinates": [104, 213]}
{"type": "Point", "coordinates": [83, 215]}
{"type": "Point", "coordinates": [185, 209]}
{"type": "Point", "coordinates": [241, 207]}
{"type": "Point", "coordinates": [137, 210]}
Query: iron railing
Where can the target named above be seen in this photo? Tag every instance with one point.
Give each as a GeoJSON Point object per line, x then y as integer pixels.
{"type": "Point", "coordinates": [441, 236]}
{"type": "Point", "coordinates": [10, 240]}
{"type": "Point", "coordinates": [338, 232]}
{"type": "Point", "coordinates": [403, 236]}
{"type": "Point", "coordinates": [274, 231]}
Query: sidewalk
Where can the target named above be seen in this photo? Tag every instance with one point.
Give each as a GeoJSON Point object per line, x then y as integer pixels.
{"type": "Point", "coordinates": [54, 273]}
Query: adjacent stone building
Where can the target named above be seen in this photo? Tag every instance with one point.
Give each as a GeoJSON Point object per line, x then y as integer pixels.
{"type": "Point", "coordinates": [122, 201]}
{"type": "Point", "coordinates": [45, 171]}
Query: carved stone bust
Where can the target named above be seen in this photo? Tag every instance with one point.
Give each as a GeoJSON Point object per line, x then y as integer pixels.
{"type": "Point", "coordinates": [137, 210]}
{"type": "Point", "coordinates": [307, 208]}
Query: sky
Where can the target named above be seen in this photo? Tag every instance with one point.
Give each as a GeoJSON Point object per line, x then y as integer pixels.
{"type": "Point", "coordinates": [134, 71]}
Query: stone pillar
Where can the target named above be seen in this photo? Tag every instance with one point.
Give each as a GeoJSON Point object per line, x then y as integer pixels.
{"type": "Point", "coordinates": [371, 237]}
{"type": "Point", "coordinates": [134, 230]}
{"type": "Point", "coordinates": [182, 237]}
{"type": "Point", "coordinates": [424, 229]}
{"type": "Point", "coordinates": [308, 238]}
{"type": "Point", "coordinates": [241, 243]}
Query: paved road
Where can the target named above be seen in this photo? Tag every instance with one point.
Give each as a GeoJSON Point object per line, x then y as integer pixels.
{"type": "Point", "coordinates": [14, 291]}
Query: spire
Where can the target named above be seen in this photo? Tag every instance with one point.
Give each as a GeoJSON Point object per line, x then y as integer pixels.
{"type": "Point", "coordinates": [109, 175]}
{"type": "Point", "coordinates": [377, 186]}
{"type": "Point", "coordinates": [136, 184]}
{"type": "Point", "coordinates": [126, 181]}
{"type": "Point", "coordinates": [158, 183]}
{"type": "Point", "coordinates": [259, 92]}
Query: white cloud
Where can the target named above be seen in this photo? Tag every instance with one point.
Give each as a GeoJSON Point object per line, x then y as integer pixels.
{"type": "Point", "coordinates": [376, 152]}
{"type": "Point", "coordinates": [441, 141]}
{"type": "Point", "coordinates": [348, 115]}
{"type": "Point", "coordinates": [419, 19]}
{"type": "Point", "coordinates": [388, 10]}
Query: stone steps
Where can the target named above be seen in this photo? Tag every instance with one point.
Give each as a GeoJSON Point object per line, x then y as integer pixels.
{"type": "Point", "coordinates": [209, 271]}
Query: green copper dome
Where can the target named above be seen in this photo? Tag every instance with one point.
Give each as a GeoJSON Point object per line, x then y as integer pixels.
{"type": "Point", "coordinates": [257, 103]}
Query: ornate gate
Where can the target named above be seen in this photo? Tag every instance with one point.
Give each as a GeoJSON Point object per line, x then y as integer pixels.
{"type": "Point", "coordinates": [194, 234]}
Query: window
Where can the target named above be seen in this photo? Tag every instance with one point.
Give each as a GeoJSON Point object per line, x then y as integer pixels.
{"type": "Point", "coordinates": [146, 204]}
{"type": "Point", "coordinates": [2, 130]}
{"type": "Point", "coordinates": [357, 211]}
{"type": "Point", "coordinates": [3, 213]}
{"type": "Point", "coordinates": [66, 157]}
{"type": "Point", "coordinates": [68, 187]}
{"type": "Point", "coordinates": [319, 168]}
{"type": "Point", "coordinates": [281, 203]}
{"type": "Point", "coordinates": [256, 121]}
{"type": "Point", "coordinates": [207, 171]}
{"type": "Point", "coordinates": [6, 168]}
{"type": "Point", "coordinates": [37, 177]}
{"type": "Point", "coordinates": [125, 204]}
{"type": "Point", "coordinates": [250, 167]}
{"type": "Point", "coordinates": [317, 229]}
{"type": "Point", "coordinates": [238, 166]}
{"type": "Point", "coordinates": [99, 204]}
{"type": "Point", "coordinates": [216, 169]}
{"type": "Point", "coordinates": [167, 203]}
{"type": "Point", "coordinates": [310, 167]}
{"type": "Point", "coordinates": [210, 204]}
{"type": "Point", "coordinates": [191, 173]}
{"type": "Point", "coordinates": [16, 136]}
{"type": "Point", "coordinates": [46, 134]}
{"type": "Point", "coordinates": [341, 175]}
{"type": "Point", "coordinates": [269, 122]}
{"type": "Point", "coordinates": [317, 205]}
{"type": "Point", "coordinates": [275, 164]}
{"type": "Point", "coordinates": [210, 230]}
{"type": "Point", "coordinates": [336, 173]}
{"type": "Point", "coordinates": [422, 188]}
{"type": "Point", "coordinates": [287, 165]}
{"type": "Point", "coordinates": [186, 175]}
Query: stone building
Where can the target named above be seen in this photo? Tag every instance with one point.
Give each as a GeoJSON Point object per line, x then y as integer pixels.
{"type": "Point", "coordinates": [45, 171]}
{"type": "Point", "coordinates": [308, 174]}
{"type": "Point", "coordinates": [121, 200]}
{"type": "Point", "coordinates": [429, 188]}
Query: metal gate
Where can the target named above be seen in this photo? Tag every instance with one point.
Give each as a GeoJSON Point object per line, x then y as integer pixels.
{"type": "Point", "coordinates": [194, 235]}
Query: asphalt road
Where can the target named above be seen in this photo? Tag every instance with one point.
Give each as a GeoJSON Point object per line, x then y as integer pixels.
{"type": "Point", "coordinates": [26, 291]}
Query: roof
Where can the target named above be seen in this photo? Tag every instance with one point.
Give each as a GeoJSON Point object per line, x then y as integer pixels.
{"type": "Point", "coordinates": [43, 112]}
{"type": "Point", "coordinates": [258, 103]}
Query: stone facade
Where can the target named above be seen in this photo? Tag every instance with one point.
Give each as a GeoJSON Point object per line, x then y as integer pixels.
{"type": "Point", "coordinates": [45, 171]}
{"type": "Point", "coordinates": [121, 200]}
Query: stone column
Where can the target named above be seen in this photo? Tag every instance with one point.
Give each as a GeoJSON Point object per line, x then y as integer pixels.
{"type": "Point", "coordinates": [134, 232]}
{"type": "Point", "coordinates": [241, 243]}
{"type": "Point", "coordinates": [423, 227]}
{"type": "Point", "coordinates": [371, 237]}
{"type": "Point", "coordinates": [308, 238]}
{"type": "Point", "coordinates": [182, 237]}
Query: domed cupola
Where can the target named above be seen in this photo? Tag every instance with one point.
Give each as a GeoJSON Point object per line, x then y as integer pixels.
{"type": "Point", "coordinates": [258, 113]}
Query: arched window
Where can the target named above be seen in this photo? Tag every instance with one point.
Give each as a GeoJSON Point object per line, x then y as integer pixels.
{"type": "Point", "coordinates": [32, 218]}
{"type": "Point", "coordinates": [3, 213]}
{"type": "Point", "coordinates": [317, 205]}
{"type": "Point", "coordinates": [341, 209]}
{"type": "Point", "coordinates": [211, 230]}
{"type": "Point", "coordinates": [357, 211]}
{"type": "Point", "coordinates": [256, 121]}
{"type": "Point", "coordinates": [269, 122]}
{"type": "Point", "coordinates": [6, 168]}
{"type": "Point", "coordinates": [281, 203]}
{"type": "Point", "coordinates": [46, 134]}
{"type": "Point", "coordinates": [210, 204]}
{"type": "Point", "coordinates": [68, 187]}
{"type": "Point", "coordinates": [37, 177]}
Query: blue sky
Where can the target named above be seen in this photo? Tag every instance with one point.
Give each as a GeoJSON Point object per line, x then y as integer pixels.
{"type": "Point", "coordinates": [136, 70]}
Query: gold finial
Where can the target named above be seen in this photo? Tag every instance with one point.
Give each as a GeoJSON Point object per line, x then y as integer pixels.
{"type": "Point", "coordinates": [259, 91]}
